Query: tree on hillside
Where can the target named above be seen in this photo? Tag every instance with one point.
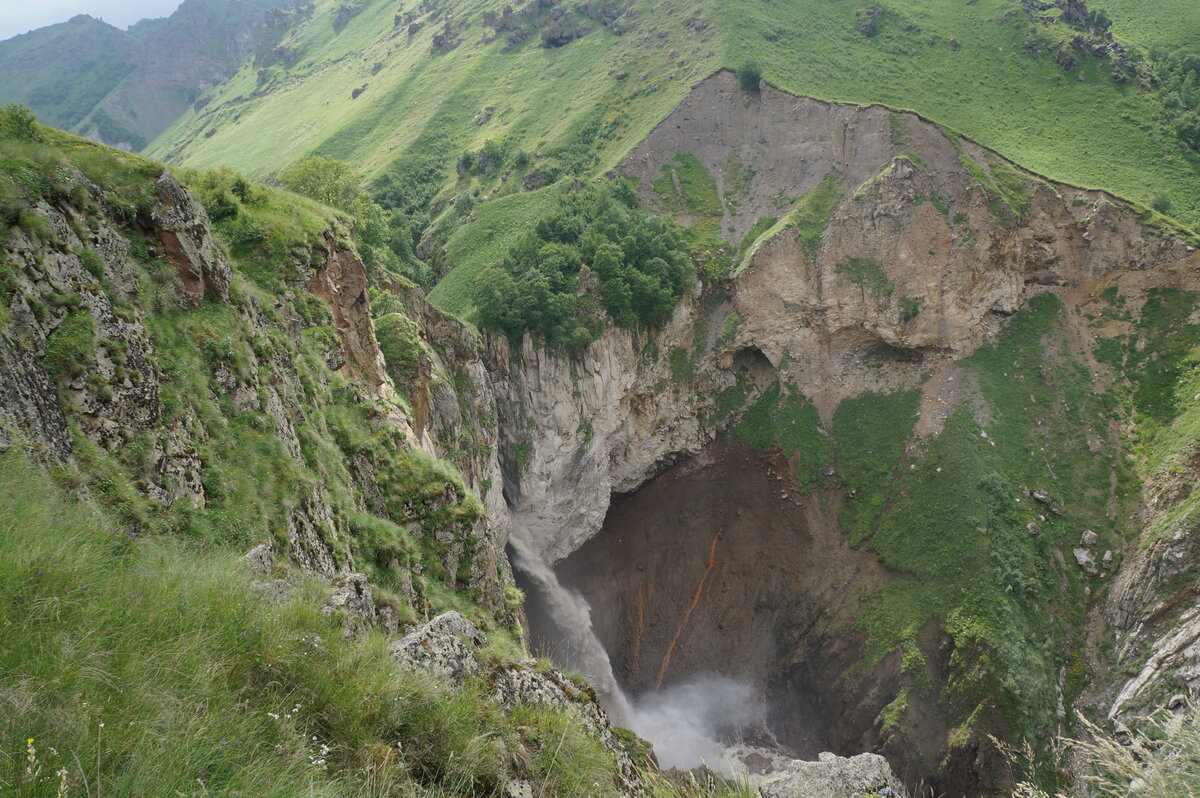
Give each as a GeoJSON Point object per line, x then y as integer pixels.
{"type": "Point", "coordinates": [384, 237]}
{"type": "Point", "coordinates": [324, 179]}
{"type": "Point", "coordinates": [18, 122]}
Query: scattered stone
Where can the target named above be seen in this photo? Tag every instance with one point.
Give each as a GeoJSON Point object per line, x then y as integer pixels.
{"type": "Point", "coordinates": [1086, 561]}
{"type": "Point", "coordinates": [834, 777]}
{"type": "Point", "coordinates": [1044, 497]}
{"type": "Point", "coordinates": [484, 115]}
{"type": "Point", "coordinates": [273, 592]}
{"type": "Point", "coordinates": [1089, 538]}
{"type": "Point", "coordinates": [518, 788]}
{"type": "Point", "coordinates": [1177, 701]}
{"type": "Point", "coordinates": [261, 559]}
{"type": "Point", "coordinates": [1032, 528]}
{"type": "Point", "coordinates": [351, 597]}
{"type": "Point", "coordinates": [1107, 559]}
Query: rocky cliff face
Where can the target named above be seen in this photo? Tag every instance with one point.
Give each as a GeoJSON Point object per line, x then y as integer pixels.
{"type": "Point", "coordinates": [699, 483]}
{"type": "Point", "coordinates": [87, 361]}
{"type": "Point", "coordinates": [187, 399]}
{"type": "Point", "coordinates": [893, 251]}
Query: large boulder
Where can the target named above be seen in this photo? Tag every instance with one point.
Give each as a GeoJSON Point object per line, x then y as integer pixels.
{"type": "Point", "coordinates": [835, 777]}
{"type": "Point", "coordinates": [445, 645]}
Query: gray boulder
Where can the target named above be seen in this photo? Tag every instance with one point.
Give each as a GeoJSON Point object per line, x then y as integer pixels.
{"type": "Point", "coordinates": [834, 777]}
{"type": "Point", "coordinates": [445, 646]}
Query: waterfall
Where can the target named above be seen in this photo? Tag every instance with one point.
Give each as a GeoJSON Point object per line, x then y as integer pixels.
{"type": "Point", "coordinates": [682, 722]}
{"type": "Point", "coordinates": [573, 617]}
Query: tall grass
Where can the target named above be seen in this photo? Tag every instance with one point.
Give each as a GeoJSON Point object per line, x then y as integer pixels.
{"type": "Point", "coordinates": [1161, 760]}
{"type": "Point", "coordinates": [145, 667]}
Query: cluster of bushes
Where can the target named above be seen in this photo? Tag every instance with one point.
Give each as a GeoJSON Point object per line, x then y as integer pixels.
{"type": "Point", "coordinates": [1179, 92]}
{"type": "Point", "coordinates": [597, 254]}
{"type": "Point", "coordinates": [386, 238]}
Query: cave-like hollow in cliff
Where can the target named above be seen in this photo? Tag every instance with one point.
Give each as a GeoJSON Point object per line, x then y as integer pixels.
{"type": "Point", "coordinates": [718, 566]}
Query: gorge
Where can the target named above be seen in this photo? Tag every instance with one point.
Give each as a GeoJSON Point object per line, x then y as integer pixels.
{"type": "Point", "coordinates": [908, 470]}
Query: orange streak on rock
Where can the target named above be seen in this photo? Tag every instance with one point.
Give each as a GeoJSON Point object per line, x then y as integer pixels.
{"type": "Point", "coordinates": [638, 632]}
{"type": "Point", "coordinates": [712, 563]}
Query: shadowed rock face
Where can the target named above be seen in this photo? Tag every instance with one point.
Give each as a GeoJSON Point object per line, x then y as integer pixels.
{"type": "Point", "coordinates": [716, 566]}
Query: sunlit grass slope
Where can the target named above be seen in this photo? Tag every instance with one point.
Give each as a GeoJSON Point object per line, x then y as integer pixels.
{"type": "Point", "coordinates": [1091, 132]}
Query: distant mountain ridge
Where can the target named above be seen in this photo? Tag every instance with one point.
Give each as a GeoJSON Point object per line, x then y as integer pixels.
{"type": "Point", "coordinates": [124, 87]}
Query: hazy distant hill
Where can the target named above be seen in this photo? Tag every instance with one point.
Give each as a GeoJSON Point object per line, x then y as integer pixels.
{"type": "Point", "coordinates": [126, 87]}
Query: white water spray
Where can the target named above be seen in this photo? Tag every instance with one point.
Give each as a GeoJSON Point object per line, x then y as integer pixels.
{"type": "Point", "coordinates": [682, 722]}
{"type": "Point", "coordinates": [573, 617]}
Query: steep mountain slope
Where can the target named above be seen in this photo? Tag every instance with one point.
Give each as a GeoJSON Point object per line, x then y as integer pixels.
{"type": "Point", "coordinates": [126, 87]}
{"type": "Point", "coordinates": [163, 408]}
{"type": "Point", "coordinates": [910, 456]}
{"type": "Point", "coordinates": [965, 65]}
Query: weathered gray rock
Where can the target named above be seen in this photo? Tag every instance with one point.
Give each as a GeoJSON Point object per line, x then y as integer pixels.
{"type": "Point", "coordinates": [351, 598]}
{"type": "Point", "coordinates": [518, 788]}
{"type": "Point", "coordinates": [1089, 538]}
{"type": "Point", "coordinates": [522, 683]}
{"type": "Point", "coordinates": [1086, 561]}
{"type": "Point", "coordinates": [260, 559]}
{"type": "Point", "coordinates": [834, 777]}
{"type": "Point", "coordinates": [188, 242]}
{"type": "Point", "coordinates": [442, 646]}
{"type": "Point", "coordinates": [275, 591]}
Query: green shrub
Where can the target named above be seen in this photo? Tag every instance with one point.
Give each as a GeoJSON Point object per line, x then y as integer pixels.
{"type": "Point", "coordinates": [749, 76]}
{"type": "Point", "coordinates": [18, 122]}
{"type": "Point", "coordinates": [637, 268]}
{"type": "Point", "coordinates": [70, 347]}
{"type": "Point", "coordinates": [92, 261]}
{"type": "Point", "coordinates": [400, 343]}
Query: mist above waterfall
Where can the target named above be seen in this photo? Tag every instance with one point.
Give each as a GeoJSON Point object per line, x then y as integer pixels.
{"type": "Point", "coordinates": [684, 722]}
{"type": "Point", "coordinates": [687, 722]}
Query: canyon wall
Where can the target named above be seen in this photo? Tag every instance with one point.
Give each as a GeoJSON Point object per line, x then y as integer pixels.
{"type": "Point", "coordinates": [926, 247]}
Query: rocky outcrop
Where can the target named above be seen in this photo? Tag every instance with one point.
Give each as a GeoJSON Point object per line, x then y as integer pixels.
{"type": "Point", "coordinates": [81, 288]}
{"type": "Point", "coordinates": [447, 646]}
{"type": "Point", "coordinates": [182, 228]}
{"type": "Point", "coordinates": [342, 282]}
{"type": "Point", "coordinates": [835, 777]}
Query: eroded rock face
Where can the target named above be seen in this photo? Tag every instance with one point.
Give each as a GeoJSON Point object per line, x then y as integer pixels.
{"type": "Point", "coordinates": [342, 281]}
{"type": "Point", "coordinates": [929, 243]}
{"type": "Point", "coordinates": [188, 243]}
{"type": "Point", "coordinates": [921, 259]}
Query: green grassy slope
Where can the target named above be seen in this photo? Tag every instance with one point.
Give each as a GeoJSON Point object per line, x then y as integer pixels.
{"type": "Point", "coordinates": [1093, 133]}
{"type": "Point", "coordinates": [485, 241]}
{"type": "Point", "coordinates": [427, 103]}
{"type": "Point", "coordinates": [136, 657]}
